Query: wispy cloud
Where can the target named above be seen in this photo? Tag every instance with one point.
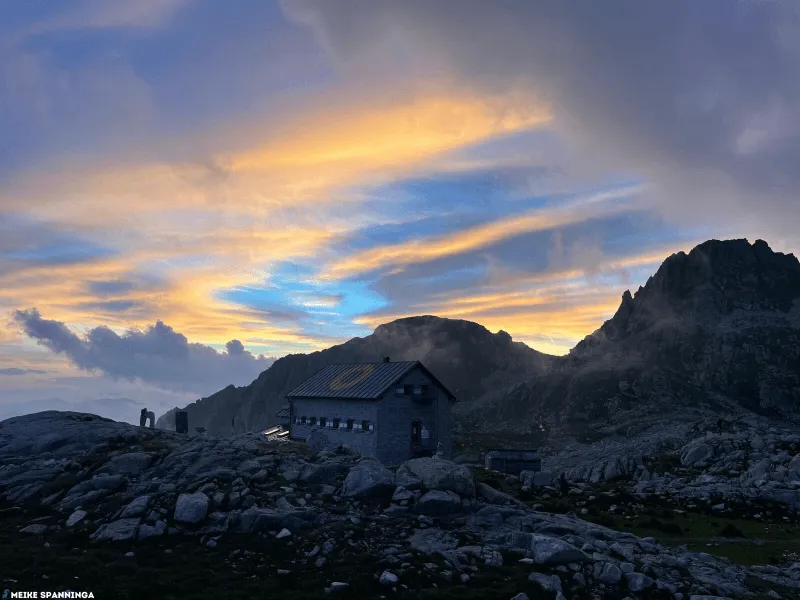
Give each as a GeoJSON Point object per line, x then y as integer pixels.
{"type": "Point", "coordinates": [469, 239]}
{"type": "Point", "coordinates": [18, 371]}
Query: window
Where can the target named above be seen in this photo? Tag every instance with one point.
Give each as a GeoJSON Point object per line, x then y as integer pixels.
{"type": "Point", "coordinates": [399, 391]}
{"type": "Point", "coordinates": [297, 420]}
{"type": "Point", "coordinates": [312, 420]}
{"type": "Point", "coordinates": [350, 423]}
{"type": "Point", "coordinates": [336, 423]}
{"type": "Point", "coordinates": [366, 425]}
{"type": "Point", "coordinates": [357, 426]}
{"type": "Point", "coordinates": [303, 420]}
{"type": "Point", "coordinates": [323, 422]}
{"type": "Point", "coordinates": [407, 390]}
{"type": "Point", "coordinates": [424, 389]}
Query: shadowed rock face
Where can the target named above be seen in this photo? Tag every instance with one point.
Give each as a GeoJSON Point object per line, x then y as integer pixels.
{"type": "Point", "coordinates": [713, 331]}
{"type": "Point", "coordinates": [472, 362]}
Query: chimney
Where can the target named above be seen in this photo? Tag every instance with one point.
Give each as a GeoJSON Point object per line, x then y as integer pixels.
{"type": "Point", "coordinates": [385, 359]}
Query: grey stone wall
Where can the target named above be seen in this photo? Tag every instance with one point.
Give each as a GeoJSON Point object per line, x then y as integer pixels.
{"type": "Point", "coordinates": [363, 442]}
{"type": "Point", "coordinates": [396, 413]}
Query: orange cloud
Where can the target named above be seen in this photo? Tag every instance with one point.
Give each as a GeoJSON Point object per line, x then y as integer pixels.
{"type": "Point", "coordinates": [399, 133]}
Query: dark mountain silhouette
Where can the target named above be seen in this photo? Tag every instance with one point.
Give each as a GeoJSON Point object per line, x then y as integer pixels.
{"type": "Point", "coordinates": [473, 363]}
{"type": "Point", "coordinates": [716, 331]}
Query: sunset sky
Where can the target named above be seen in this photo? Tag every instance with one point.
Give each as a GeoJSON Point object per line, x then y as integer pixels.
{"type": "Point", "coordinates": [186, 185]}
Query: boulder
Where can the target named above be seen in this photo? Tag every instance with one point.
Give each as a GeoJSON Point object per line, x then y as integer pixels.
{"type": "Point", "coordinates": [436, 474]}
{"type": "Point", "coordinates": [136, 507]}
{"type": "Point", "coordinates": [368, 479]}
{"type": "Point", "coordinates": [608, 573]}
{"type": "Point", "coordinates": [552, 551]}
{"type": "Point", "coordinates": [117, 531]}
{"type": "Point", "coordinates": [36, 529]}
{"type": "Point", "coordinates": [638, 581]}
{"type": "Point", "coordinates": [438, 503]}
{"type": "Point", "coordinates": [696, 453]}
{"type": "Point", "coordinates": [329, 472]}
{"type": "Point", "coordinates": [264, 519]}
{"type": "Point", "coordinates": [149, 531]}
{"type": "Point", "coordinates": [494, 496]}
{"type": "Point", "coordinates": [75, 517]}
{"type": "Point", "coordinates": [191, 508]}
{"type": "Point", "coordinates": [550, 583]}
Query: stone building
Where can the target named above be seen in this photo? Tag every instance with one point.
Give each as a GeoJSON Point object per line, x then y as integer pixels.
{"type": "Point", "coordinates": [392, 411]}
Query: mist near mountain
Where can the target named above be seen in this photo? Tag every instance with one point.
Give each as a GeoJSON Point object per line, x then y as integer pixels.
{"type": "Point", "coordinates": [714, 331]}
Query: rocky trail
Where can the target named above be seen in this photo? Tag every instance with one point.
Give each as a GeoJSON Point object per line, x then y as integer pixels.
{"type": "Point", "coordinates": [127, 512]}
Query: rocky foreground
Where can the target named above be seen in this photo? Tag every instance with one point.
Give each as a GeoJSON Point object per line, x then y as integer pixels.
{"type": "Point", "coordinates": [93, 504]}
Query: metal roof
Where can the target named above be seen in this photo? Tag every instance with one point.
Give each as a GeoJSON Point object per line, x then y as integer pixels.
{"type": "Point", "coordinates": [283, 413]}
{"type": "Point", "coordinates": [363, 381]}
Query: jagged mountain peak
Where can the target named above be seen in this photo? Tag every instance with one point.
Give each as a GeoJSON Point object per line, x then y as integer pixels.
{"type": "Point", "coordinates": [714, 279]}
{"type": "Point", "coordinates": [734, 267]}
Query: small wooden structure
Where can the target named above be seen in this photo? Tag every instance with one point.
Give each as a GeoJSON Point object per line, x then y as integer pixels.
{"type": "Point", "coordinates": [513, 462]}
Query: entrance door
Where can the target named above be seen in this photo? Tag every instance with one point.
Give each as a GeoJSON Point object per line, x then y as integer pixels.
{"type": "Point", "coordinates": [416, 433]}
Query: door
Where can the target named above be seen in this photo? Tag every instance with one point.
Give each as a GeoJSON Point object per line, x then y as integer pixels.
{"type": "Point", "coordinates": [416, 434]}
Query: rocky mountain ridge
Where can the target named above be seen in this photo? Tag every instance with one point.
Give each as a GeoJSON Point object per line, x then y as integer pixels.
{"type": "Point", "coordinates": [471, 361]}
{"type": "Point", "coordinates": [326, 523]}
{"type": "Point", "coordinates": [712, 332]}
{"type": "Point", "coordinates": [715, 331]}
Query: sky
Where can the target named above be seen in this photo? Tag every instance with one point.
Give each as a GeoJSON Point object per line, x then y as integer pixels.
{"type": "Point", "coordinates": [190, 189]}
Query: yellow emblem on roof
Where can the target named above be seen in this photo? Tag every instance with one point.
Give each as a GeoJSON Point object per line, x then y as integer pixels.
{"type": "Point", "coordinates": [351, 377]}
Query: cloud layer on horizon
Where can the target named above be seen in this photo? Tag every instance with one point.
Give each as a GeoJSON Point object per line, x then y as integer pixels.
{"type": "Point", "coordinates": [158, 355]}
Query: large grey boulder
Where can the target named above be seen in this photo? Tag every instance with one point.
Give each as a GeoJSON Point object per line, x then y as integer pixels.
{"type": "Point", "coordinates": [555, 551]}
{"type": "Point", "coordinates": [76, 517]}
{"type": "Point", "coordinates": [368, 479]}
{"type": "Point", "coordinates": [191, 508]}
{"type": "Point", "coordinates": [550, 583]}
{"type": "Point", "coordinates": [256, 519]}
{"type": "Point", "coordinates": [607, 572]}
{"type": "Point", "coordinates": [136, 507]}
{"type": "Point", "coordinates": [436, 474]}
{"type": "Point", "coordinates": [117, 531]}
{"type": "Point", "coordinates": [437, 503]}
{"type": "Point", "coordinates": [696, 453]}
{"type": "Point", "coordinates": [149, 531]}
{"type": "Point", "coordinates": [638, 581]}
{"type": "Point", "coordinates": [329, 472]}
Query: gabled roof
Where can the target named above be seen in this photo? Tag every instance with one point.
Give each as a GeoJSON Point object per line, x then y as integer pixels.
{"type": "Point", "coordinates": [358, 381]}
